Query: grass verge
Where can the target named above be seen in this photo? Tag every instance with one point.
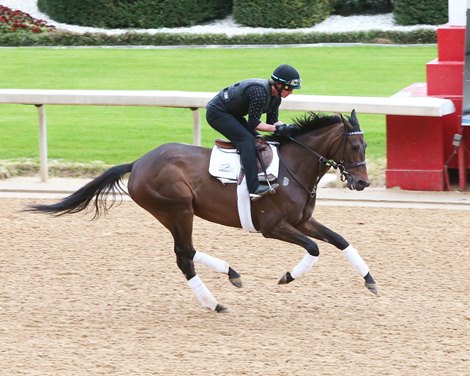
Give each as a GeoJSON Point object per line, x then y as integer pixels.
{"type": "Point", "coordinates": [112, 135]}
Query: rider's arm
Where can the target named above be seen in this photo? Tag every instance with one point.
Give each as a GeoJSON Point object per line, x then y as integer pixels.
{"type": "Point", "coordinates": [258, 98]}
{"type": "Point", "coordinates": [272, 117]}
{"type": "Point", "coordinates": [265, 127]}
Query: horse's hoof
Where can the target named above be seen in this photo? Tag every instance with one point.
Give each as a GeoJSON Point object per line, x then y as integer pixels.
{"type": "Point", "coordinates": [236, 281]}
{"type": "Point", "coordinates": [285, 279]}
{"type": "Point", "coordinates": [234, 277]}
{"type": "Point", "coordinates": [220, 308]}
{"type": "Point", "coordinates": [372, 287]}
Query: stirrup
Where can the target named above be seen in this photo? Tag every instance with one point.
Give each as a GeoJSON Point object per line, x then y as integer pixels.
{"type": "Point", "coordinates": [271, 190]}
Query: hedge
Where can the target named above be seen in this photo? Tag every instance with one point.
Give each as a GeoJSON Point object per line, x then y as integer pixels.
{"type": "Point", "coordinates": [281, 13]}
{"type": "Point", "coordinates": [135, 13]}
{"type": "Point", "coordinates": [416, 12]}
{"type": "Point", "coordinates": [169, 39]}
{"type": "Point", "coordinates": [352, 7]}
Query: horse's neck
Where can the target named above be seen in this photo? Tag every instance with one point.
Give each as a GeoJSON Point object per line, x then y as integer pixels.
{"type": "Point", "coordinates": [305, 160]}
{"type": "Point", "coordinates": [324, 141]}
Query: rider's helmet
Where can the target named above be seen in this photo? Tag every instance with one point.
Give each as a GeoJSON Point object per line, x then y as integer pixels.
{"type": "Point", "coordinates": [288, 76]}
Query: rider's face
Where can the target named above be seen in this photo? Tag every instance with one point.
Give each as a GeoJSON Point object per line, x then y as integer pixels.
{"type": "Point", "coordinates": [283, 93]}
{"type": "Point", "coordinates": [286, 92]}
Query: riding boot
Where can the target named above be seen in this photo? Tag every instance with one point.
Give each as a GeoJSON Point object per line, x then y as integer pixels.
{"type": "Point", "coordinates": [248, 160]}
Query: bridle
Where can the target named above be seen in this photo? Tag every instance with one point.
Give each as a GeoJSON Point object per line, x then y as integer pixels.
{"type": "Point", "coordinates": [342, 166]}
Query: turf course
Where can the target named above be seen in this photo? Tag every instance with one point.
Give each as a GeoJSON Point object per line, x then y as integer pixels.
{"type": "Point", "coordinates": [121, 134]}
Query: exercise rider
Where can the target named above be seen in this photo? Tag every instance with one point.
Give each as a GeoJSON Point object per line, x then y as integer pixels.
{"type": "Point", "coordinates": [250, 98]}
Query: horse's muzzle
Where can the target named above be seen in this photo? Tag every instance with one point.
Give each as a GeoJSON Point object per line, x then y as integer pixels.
{"type": "Point", "coordinates": [357, 184]}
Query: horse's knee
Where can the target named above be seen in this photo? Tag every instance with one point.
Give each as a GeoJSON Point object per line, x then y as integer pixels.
{"type": "Point", "coordinates": [186, 266]}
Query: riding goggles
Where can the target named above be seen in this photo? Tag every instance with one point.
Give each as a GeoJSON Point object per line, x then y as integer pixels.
{"type": "Point", "coordinates": [295, 83]}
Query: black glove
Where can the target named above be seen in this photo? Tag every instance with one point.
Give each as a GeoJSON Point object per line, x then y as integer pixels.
{"type": "Point", "coordinates": [285, 129]}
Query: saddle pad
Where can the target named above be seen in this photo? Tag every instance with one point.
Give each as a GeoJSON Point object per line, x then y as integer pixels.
{"type": "Point", "coordinates": [225, 164]}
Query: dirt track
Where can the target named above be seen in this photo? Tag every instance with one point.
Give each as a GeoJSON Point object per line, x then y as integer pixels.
{"type": "Point", "coordinates": [106, 298]}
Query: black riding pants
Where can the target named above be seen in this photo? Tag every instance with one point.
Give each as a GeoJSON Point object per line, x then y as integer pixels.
{"type": "Point", "coordinates": [236, 129]}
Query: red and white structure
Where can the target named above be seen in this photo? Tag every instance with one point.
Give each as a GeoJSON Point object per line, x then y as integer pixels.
{"type": "Point", "coordinates": [420, 149]}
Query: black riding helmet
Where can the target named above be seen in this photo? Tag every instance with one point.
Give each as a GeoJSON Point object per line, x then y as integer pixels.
{"type": "Point", "coordinates": [288, 76]}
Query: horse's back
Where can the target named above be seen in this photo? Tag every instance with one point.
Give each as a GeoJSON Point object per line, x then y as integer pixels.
{"type": "Point", "coordinates": [173, 151]}
{"type": "Point", "coordinates": [174, 178]}
{"type": "Point", "coordinates": [170, 163]}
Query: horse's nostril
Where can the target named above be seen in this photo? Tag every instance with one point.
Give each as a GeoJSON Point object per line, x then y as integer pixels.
{"type": "Point", "coordinates": [361, 184]}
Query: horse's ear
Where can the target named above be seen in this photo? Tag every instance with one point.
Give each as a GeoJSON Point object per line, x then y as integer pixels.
{"type": "Point", "coordinates": [353, 120]}
{"type": "Point", "coordinates": [346, 122]}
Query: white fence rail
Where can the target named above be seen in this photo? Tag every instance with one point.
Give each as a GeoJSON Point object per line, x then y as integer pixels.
{"type": "Point", "coordinates": [412, 106]}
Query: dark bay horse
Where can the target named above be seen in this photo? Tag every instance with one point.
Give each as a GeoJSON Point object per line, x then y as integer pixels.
{"type": "Point", "coordinates": [173, 184]}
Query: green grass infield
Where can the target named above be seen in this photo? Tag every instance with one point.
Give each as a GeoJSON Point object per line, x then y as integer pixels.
{"type": "Point", "coordinates": [113, 135]}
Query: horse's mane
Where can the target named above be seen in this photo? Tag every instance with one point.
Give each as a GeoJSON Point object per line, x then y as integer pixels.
{"type": "Point", "coordinates": [308, 122]}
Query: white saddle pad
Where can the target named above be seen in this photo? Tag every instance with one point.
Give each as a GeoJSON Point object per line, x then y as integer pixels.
{"type": "Point", "coordinates": [225, 165]}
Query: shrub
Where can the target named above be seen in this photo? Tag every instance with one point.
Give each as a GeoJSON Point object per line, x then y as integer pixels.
{"type": "Point", "coordinates": [350, 7]}
{"type": "Point", "coordinates": [415, 12]}
{"type": "Point", "coordinates": [12, 21]}
{"type": "Point", "coordinates": [169, 39]}
{"type": "Point", "coordinates": [135, 13]}
{"type": "Point", "coordinates": [281, 13]}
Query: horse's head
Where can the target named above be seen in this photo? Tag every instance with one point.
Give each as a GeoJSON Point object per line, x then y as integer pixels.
{"type": "Point", "coordinates": [351, 155]}
{"type": "Point", "coordinates": [336, 141]}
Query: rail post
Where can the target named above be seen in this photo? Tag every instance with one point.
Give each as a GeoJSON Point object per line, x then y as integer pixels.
{"type": "Point", "coordinates": [43, 167]}
{"type": "Point", "coordinates": [197, 126]}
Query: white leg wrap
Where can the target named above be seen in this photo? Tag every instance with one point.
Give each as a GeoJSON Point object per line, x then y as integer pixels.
{"type": "Point", "coordinates": [212, 262]}
{"type": "Point", "coordinates": [304, 266]}
{"type": "Point", "coordinates": [356, 261]}
{"type": "Point", "coordinates": [205, 297]}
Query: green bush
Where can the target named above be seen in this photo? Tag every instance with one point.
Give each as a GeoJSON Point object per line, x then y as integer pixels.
{"type": "Point", "coordinates": [281, 13]}
{"type": "Point", "coordinates": [350, 7]}
{"type": "Point", "coordinates": [416, 12]}
{"type": "Point", "coordinates": [135, 13]}
{"type": "Point", "coordinates": [169, 39]}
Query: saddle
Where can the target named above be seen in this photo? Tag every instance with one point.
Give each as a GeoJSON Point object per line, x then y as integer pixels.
{"type": "Point", "coordinates": [263, 149]}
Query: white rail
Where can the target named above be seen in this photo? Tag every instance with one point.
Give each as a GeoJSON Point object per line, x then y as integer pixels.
{"type": "Point", "coordinates": [412, 106]}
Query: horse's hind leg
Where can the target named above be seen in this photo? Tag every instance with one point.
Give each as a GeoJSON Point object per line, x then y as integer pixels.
{"type": "Point", "coordinates": [186, 256]}
{"type": "Point", "coordinates": [219, 266]}
{"type": "Point", "coordinates": [318, 231]}
{"type": "Point", "coordinates": [181, 231]}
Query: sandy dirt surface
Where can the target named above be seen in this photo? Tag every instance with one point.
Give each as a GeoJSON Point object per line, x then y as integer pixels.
{"type": "Point", "coordinates": [106, 298]}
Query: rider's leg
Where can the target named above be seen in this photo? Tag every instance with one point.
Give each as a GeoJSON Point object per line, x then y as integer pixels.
{"type": "Point", "coordinates": [235, 129]}
{"type": "Point", "coordinates": [247, 150]}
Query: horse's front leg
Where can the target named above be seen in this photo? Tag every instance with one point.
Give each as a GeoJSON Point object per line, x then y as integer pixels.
{"type": "Point", "coordinates": [318, 231]}
{"type": "Point", "coordinates": [288, 233]}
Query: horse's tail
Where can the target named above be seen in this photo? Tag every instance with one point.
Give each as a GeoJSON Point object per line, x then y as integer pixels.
{"type": "Point", "coordinates": [108, 183]}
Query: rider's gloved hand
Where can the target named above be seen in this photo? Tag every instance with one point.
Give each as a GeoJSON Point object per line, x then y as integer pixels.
{"type": "Point", "coordinates": [285, 129]}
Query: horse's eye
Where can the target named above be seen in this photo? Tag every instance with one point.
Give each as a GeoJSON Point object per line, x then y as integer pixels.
{"type": "Point", "coordinates": [355, 147]}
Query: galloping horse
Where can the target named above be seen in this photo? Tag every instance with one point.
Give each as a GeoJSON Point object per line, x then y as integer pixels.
{"type": "Point", "coordinates": [173, 184]}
